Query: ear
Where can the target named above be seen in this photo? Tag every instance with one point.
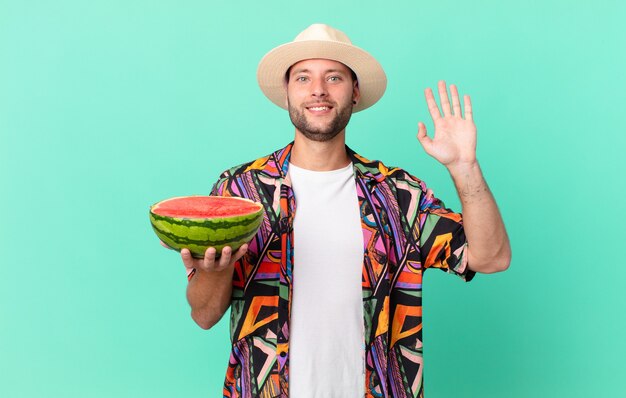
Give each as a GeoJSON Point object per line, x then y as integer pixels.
{"type": "Point", "coordinates": [356, 92]}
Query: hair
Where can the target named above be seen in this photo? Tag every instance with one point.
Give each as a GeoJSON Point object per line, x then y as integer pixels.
{"type": "Point", "coordinates": [354, 78]}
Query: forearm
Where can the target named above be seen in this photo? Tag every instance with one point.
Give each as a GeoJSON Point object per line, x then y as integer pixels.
{"type": "Point", "coordinates": [488, 244]}
{"type": "Point", "coordinates": [209, 295]}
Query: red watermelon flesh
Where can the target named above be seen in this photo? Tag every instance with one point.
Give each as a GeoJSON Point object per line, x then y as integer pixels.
{"type": "Point", "coordinates": [205, 207]}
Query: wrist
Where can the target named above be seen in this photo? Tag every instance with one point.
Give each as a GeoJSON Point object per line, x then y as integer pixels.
{"type": "Point", "coordinates": [463, 168]}
{"type": "Point", "coordinates": [214, 274]}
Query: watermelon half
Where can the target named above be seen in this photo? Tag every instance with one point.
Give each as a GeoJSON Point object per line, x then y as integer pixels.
{"type": "Point", "coordinates": [200, 222]}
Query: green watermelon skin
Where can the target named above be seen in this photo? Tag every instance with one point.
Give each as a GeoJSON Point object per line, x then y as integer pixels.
{"type": "Point", "coordinates": [198, 234]}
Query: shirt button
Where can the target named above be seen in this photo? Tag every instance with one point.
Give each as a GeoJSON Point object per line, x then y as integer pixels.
{"type": "Point", "coordinates": [283, 354]}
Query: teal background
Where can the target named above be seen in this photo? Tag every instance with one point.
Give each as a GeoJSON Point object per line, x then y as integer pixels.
{"type": "Point", "coordinates": [108, 107]}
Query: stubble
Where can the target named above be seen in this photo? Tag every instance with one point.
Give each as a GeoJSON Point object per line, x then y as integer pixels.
{"type": "Point", "coordinates": [324, 133]}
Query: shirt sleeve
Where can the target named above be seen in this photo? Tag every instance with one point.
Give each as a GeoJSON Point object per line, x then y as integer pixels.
{"type": "Point", "coordinates": [442, 238]}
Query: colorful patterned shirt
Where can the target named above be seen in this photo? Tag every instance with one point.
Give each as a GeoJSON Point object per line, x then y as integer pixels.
{"type": "Point", "coordinates": [406, 230]}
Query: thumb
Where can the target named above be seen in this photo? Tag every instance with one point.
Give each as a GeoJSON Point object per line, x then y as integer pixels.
{"type": "Point", "coordinates": [423, 138]}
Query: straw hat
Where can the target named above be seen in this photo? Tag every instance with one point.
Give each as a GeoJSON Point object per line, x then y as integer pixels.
{"type": "Point", "coordinates": [321, 41]}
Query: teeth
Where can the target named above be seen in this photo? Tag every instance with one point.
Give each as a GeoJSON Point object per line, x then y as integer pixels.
{"type": "Point", "coordinates": [319, 108]}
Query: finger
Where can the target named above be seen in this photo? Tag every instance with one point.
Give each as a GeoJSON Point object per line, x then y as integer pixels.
{"type": "Point", "coordinates": [443, 96]}
{"type": "Point", "coordinates": [164, 245]}
{"type": "Point", "coordinates": [225, 257]}
{"type": "Point", "coordinates": [432, 104]}
{"type": "Point", "coordinates": [468, 108]}
{"type": "Point", "coordinates": [208, 262]}
{"type": "Point", "coordinates": [422, 137]}
{"type": "Point", "coordinates": [242, 250]}
{"type": "Point", "coordinates": [456, 104]}
{"type": "Point", "coordinates": [185, 254]}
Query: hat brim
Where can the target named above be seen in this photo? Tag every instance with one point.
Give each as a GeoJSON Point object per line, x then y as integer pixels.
{"type": "Point", "coordinates": [274, 65]}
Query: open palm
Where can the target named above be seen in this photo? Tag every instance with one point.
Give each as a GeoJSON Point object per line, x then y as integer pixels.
{"type": "Point", "coordinates": [454, 141]}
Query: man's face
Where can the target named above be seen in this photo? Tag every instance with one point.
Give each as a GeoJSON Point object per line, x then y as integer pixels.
{"type": "Point", "coordinates": [319, 97]}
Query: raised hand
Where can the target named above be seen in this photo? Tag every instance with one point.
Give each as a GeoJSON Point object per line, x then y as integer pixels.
{"type": "Point", "coordinates": [454, 142]}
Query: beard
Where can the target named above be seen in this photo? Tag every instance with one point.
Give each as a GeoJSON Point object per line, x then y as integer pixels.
{"type": "Point", "coordinates": [321, 133]}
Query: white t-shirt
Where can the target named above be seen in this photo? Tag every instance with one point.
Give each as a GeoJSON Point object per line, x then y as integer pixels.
{"type": "Point", "coordinates": [326, 343]}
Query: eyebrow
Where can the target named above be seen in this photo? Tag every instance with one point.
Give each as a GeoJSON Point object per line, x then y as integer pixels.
{"type": "Point", "coordinates": [309, 71]}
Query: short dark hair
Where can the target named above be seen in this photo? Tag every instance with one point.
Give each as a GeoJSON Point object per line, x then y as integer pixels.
{"type": "Point", "coordinates": [352, 74]}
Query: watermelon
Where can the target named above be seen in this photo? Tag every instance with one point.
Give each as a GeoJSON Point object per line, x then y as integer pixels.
{"type": "Point", "coordinates": [199, 222]}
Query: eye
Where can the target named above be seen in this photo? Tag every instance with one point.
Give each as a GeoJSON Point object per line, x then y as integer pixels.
{"type": "Point", "coordinates": [334, 78]}
{"type": "Point", "coordinates": [301, 78]}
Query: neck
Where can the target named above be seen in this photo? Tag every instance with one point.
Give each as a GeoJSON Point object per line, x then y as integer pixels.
{"type": "Point", "coordinates": [319, 156]}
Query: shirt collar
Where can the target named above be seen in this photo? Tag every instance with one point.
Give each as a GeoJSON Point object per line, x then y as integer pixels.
{"type": "Point", "coordinates": [276, 165]}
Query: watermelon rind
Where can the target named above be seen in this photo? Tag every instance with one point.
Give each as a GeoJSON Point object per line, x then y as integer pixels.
{"type": "Point", "coordinates": [198, 234]}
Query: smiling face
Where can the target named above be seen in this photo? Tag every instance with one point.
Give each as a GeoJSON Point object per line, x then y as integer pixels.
{"type": "Point", "coordinates": [320, 95]}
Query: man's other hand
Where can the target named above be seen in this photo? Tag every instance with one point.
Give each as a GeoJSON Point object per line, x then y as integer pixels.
{"type": "Point", "coordinates": [209, 263]}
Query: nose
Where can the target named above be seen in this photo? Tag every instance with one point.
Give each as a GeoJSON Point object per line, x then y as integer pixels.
{"type": "Point", "coordinates": [318, 88]}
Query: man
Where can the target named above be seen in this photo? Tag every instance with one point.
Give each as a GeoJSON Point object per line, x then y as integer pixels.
{"type": "Point", "coordinates": [326, 299]}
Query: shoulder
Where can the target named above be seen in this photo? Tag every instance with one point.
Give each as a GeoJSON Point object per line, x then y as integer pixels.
{"type": "Point", "coordinates": [249, 167]}
{"type": "Point", "coordinates": [391, 176]}
{"type": "Point", "coordinates": [231, 178]}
